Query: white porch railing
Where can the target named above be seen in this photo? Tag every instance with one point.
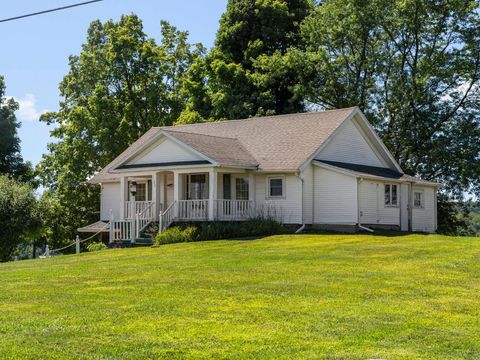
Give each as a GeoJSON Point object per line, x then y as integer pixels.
{"type": "Point", "coordinates": [234, 209]}
{"type": "Point", "coordinates": [122, 230]}
{"type": "Point", "coordinates": [143, 218]}
{"type": "Point", "coordinates": [193, 209]}
{"type": "Point", "coordinates": [132, 208]}
{"type": "Point", "coordinates": [167, 217]}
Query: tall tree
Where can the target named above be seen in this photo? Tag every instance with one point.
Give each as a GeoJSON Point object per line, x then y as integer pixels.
{"type": "Point", "coordinates": [120, 85]}
{"type": "Point", "coordinates": [11, 161]}
{"type": "Point", "coordinates": [234, 80]}
{"type": "Point", "coordinates": [17, 206]}
{"type": "Point", "coordinates": [413, 66]}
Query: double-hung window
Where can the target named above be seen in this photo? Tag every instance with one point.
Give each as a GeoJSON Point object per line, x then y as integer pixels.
{"type": "Point", "coordinates": [276, 187]}
{"type": "Point", "coordinates": [241, 188]}
{"type": "Point", "coordinates": [391, 195]}
{"type": "Point", "coordinates": [418, 199]}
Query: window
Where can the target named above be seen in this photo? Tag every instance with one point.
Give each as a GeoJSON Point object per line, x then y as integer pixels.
{"type": "Point", "coordinates": [418, 199]}
{"type": "Point", "coordinates": [391, 195]}
{"type": "Point", "coordinates": [141, 194]}
{"type": "Point", "coordinates": [227, 193]}
{"type": "Point", "coordinates": [276, 187]}
{"type": "Point", "coordinates": [241, 189]}
{"type": "Point", "coordinates": [197, 187]}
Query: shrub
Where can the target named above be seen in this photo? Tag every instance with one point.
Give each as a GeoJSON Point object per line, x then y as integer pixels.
{"type": "Point", "coordinates": [176, 234]}
{"type": "Point", "coordinates": [96, 246]}
{"type": "Point", "coordinates": [219, 230]}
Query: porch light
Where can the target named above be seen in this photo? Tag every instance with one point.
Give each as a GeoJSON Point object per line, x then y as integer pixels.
{"type": "Point", "coordinates": [133, 188]}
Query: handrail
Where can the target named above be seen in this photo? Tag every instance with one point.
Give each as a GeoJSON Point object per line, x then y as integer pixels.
{"type": "Point", "coordinates": [142, 221]}
{"type": "Point", "coordinates": [166, 217]}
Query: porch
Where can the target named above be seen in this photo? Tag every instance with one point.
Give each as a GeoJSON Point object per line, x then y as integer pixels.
{"type": "Point", "coordinates": [181, 195]}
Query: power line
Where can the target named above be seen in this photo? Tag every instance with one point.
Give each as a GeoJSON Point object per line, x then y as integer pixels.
{"type": "Point", "coordinates": [50, 10]}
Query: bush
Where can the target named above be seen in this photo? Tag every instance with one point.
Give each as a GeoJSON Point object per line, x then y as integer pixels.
{"type": "Point", "coordinates": [175, 235]}
{"type": "Point", "coordinates": [96, 246]}
{"type": "Point", "coordinates": [219, 230]}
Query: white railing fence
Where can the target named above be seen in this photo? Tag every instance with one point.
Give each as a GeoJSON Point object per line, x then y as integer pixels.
{"type": "Point", "coordinates": [193, 209]}
{"type": "Point", "coordinates": [121, 230]}
{"type": "Point", "coordinates": [234, 209]}
{"type": "Point", "coordinates": [143, 218]}
{"type": "Point", "coordinates": [167, 217]}
{"type": "Point", "coordinates": [132, 208]}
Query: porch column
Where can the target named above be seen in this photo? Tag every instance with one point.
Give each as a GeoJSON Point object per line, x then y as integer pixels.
{"type": "Point", "coordinates": [123, 195]}
{"type": "Point", "coordinates": [251, 186]}
{"type": "Point", "coordinates": [251, 194]}
{"type": "Point", "coordinates": [176, 190]}
{"type": "Point", "coordinates": [212, 193]}
{"type": "Point", "coordinates": [156, 193]}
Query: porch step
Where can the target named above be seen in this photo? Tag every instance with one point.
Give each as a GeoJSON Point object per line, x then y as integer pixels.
{"type": "Point", "coordinates": [143, 241]}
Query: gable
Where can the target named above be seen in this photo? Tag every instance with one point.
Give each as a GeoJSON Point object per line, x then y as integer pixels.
{"type": "Point", "coordinates": [351, 145]}
{"type": "Point", "coordinates": [164, 150]}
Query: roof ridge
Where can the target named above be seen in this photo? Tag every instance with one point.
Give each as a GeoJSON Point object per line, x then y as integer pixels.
{"type": "Point", "coordinates": [258, 118]}
{"type": "Point", "coordinates": [194, 133]}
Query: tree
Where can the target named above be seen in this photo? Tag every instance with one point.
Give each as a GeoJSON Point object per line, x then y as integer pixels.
{"type": "Point", "coordinates": [17, 206]}
{"type": "Point", "coordinates": [11, 161]}
{"type": "Point", "coordinates": [237, 80]}
{"type": "Point", "coordinates": [120, 85]}
{"type": "Point", "coordinates": [413, 66]}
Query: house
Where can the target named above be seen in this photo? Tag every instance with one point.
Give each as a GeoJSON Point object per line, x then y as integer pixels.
{"type": "Point", "coordinates": [328, 169]}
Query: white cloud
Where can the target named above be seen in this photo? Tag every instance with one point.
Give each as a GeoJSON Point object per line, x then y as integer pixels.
{"type": "Point", "coordinates": [28, 108]}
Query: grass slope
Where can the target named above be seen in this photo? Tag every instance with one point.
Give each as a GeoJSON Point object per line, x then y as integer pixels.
{"type": "Point", "coordinates": [303, 296]}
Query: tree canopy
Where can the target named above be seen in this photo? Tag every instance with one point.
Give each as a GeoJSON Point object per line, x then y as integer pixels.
{"type": "Point", "coordinates": [17, 209]}
{"type": "Point", "coordinates": [413, 67]}
{"type": "Point", "coordinates": [11, 161]}
{"type": "Point", "coordinates": [228, 82]}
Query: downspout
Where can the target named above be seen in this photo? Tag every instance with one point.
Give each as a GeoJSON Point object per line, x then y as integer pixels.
{"type": "Point", "coordinates": [300, 229]}
{"type": "Point", "coordinates": [359, 180]}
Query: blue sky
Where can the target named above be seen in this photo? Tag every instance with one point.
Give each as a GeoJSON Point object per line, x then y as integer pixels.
{"type": "Point", "coordinates": [35, 50]}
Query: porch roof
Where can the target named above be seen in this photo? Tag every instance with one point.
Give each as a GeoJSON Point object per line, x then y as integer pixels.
{"type": "Point", "coordinates": [99, 226]}
{"type": "Point", "coordinates": [374, 172]}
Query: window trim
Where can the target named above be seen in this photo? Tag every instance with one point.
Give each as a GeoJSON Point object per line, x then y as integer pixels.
{"type": "Point", "coordinates": [275, 177]}
{"type": "Point", "coordinates": [396, 205]}
{"type": "Point", "coordinates": [422, 199]}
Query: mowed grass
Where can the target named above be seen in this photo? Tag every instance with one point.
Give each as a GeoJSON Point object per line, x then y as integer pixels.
{"type": "Point", "coordinates": [301, 296]}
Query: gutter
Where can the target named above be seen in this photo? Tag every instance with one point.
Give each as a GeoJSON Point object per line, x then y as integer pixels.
{"type": "Point", "coordinates": [300, 229]}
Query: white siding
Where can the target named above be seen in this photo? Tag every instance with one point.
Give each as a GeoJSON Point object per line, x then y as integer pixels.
{"type": "Point", "coordinates": [165, 150]}
{"type": "Point", "coordinates": [424, 219]}
{"type": "Point", "coordinates": [335, 197]}
{"type": "Point", "coordinates": [372, 205]}
{"type": "Point", "coordinates": [110, 199]}
{"type": "Point", "coordinates": [350, 146]}
{"type": "Point", "coordinates": [307, 176]}
{"type": "Point", "coordinates": [288, 209]}
{"type": "Point", "coordinates": [404, 195]}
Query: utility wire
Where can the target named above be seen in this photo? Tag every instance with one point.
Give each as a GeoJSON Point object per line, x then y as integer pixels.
{"type": "Point", "coordinates": [50, 10]}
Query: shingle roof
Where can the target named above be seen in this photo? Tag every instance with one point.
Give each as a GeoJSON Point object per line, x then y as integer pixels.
{"type": "Point", "coordinates": [273, 143]}
{"type": "Point", "coordinates": [224, 150]}
{"type": "Point", "coordinates": [375, 172]}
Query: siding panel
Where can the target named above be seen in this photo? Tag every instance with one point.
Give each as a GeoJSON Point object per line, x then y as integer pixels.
{"type": "Point", "coordinates": [165, 150]}
{"type": "Point", "coordinates": [424, 219]}
{"type": "Point", "coordinates": [350, 146]}
{"type": "Point", "coordinates": [335, 197]}
{"type": "Point", "coordinates": [372, 206]}
{"type": "Point", "coordinates": [110, 199]}
{"type": "Point", "coordinates": [289, 209]}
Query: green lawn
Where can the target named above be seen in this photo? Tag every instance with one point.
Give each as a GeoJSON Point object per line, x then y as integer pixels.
{"type": "Point", "coordinates": [302, 296]}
